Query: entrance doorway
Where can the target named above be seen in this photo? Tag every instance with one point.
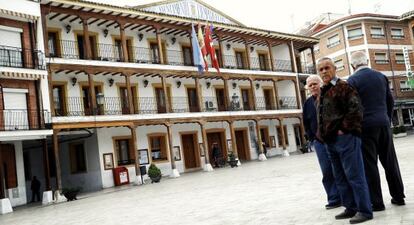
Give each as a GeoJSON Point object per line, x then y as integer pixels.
{"type": "Point", "coordinates": [298, 135]}
{"type": "Point", "coordinates": [242, 144]}
{"type": "Point", "coordinates": [219, 138]}
{"type": "Point", "coordinates": [190, 151]}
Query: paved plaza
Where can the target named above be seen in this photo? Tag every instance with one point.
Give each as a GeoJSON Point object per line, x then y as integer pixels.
{"type": "Point", "coordinates": [277, 191]}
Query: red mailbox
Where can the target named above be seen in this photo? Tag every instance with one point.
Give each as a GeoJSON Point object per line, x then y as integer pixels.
{"type": "Point", "coordinates": [121, 176]}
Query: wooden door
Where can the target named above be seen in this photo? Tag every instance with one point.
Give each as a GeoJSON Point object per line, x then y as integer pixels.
{"type": "Point", "coordinates": [216, 137]}
{"type": "Point", "coordinates": [8, 164]}
{"type": "Point", "coordinates": [189, 151]}
{"type": "Point", "coordinates": [268, 98]}
{"type": "Point", "coordinates": [59, 100]}
{"type": "Point", "coordinates": [187, 56]}
{"type": "Point", "coordinates": [220, 99]}
{"type": "Point", "coordinates": [192, 99]}
{"type": "Point", "coordinates": [160, 97]}
{"type": "Point", "coordinates": [246, 99]}
{"type": "Point", "coordinates": [86, 99]}
{"type": "Point", "coordinates": [241, 142]}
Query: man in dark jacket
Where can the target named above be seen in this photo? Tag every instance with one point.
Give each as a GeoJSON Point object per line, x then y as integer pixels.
{"type": "Point", "coordinates": [340, 119]}
{"type": "Point", "coordinates": [310, 120]}
{"type": "Point", "coordinates": [378, 104]}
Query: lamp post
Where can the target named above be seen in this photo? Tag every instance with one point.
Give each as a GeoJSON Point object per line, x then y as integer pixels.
{"type": "Point", "coordinates": [100, 100]}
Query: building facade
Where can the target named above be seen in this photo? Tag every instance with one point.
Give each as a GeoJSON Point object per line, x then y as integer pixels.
{"type": "Point", "coordinates": [382, 37]}
{"type": "Point", "coordinates": [124, 92]}
{"type": "Point", "coordinates": [24, 107]}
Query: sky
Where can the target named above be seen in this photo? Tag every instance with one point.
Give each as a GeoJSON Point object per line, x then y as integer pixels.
{"type": "Point", "coordinates": [290, 15]}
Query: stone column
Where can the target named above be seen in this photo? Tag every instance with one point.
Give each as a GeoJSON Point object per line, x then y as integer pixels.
{"type": "Point", "coordinates": [285, 152]}
{"type": "Point", "coordinates": [174, 171]}
{"type": "Point", "coordinates": [207, 167]}
{"type": "Point", "coordinates": [262, 156]}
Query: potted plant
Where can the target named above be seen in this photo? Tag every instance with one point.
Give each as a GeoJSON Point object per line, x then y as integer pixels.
{"type": "Point", "coordinates": [232, 160]}
{"type": "Point", "coordinates": [399, 131]}
{"type": "Point", "coordinates": [154, 173]}
{"type": "Point", "coordinates": [71, 193]}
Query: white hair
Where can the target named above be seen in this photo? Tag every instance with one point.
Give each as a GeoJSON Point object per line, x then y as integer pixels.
{"type": "Point", "coordinates": [359, 58]}
{"type": "Point", "coordinates": [313, 78]}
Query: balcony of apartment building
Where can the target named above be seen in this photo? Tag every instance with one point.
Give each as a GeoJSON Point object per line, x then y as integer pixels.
{"type": "Point", "coordinates": [90, 35]}
{"type": "Point", "coordinates": [116, 94]}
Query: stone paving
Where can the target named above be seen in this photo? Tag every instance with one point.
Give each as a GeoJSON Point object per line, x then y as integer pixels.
{"type": "Point", "coordinates": [277, 191]}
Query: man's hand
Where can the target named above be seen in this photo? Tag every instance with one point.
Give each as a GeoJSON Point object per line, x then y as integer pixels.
{"type": "Point", "coordinates": [340, 132]}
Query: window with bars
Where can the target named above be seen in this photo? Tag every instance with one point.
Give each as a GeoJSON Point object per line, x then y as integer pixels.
{"type": "Point", "coordinates": [124, 152]}
{"type": "Point", "coordinates": [333, 41]}
{"type": "Point", "coordinates": [397, 33]}
{"type": "Point", "coordinates": [158, 147]}
{"type": "Point", "coordinates": [355, 33]}
{"type": "Point", "coordinates": [404, 86]}
{"type": "Point", "coordinates": [377, 32]}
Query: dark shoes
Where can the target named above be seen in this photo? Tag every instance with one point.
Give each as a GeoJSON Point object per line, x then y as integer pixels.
{"type": "Point", "coordinates": [332, 205]}
{"type": "Point", "coordinates": [345, 215]}
{"type": "Point", "coordinates": [377, 208]}
{"type": "Point", "coordinates": [397, 201]}
{"type": "Point", "coordinates": [359, 218]}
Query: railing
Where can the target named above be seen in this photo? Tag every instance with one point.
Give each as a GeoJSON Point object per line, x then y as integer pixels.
{"type": "Point", "coordinates": [382, 61]}
{"type": "Point", "coordinates": [378, 35]}
{"type": "Point", "coordinates": [21, 58]}
{"type": "Point", "coordinates": [108, 52]}
{"type": "Point", "coordinates": [308, 69]}
{"type": "Point", "coordinates": [397, 36]}
{"type": "Point", "coordinates": [333, 44]}
{"type": "Point", "coordinates": [283, 65]}
{"type": "Point", "coordinates": [22, 119]}
{"type": "Point", "coordinates": [287, 102]}
{"type": "Point", "coordinates": [262, 103]}
{"type": "Point", "coordinates": [355, 36]}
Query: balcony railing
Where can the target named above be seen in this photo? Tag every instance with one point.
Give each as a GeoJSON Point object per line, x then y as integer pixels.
{"type": "Point", "coordinates": [287, 102]}
{"type": "Point", "coordinates": [107, 52]}
{"type": "Point", "coordinates": [19, 119]}
{"type": "Point", "coordinates": [308, 69]}
{"type": "Point", "coordinates": [21, 58]}
{"type": "Point", "coordinates": [382, 61]}
{"type": "Point", "coordinates": [262, 103]}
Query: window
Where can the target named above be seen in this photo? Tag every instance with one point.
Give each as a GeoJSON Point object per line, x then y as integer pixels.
{"type": "Point", "coordinates": [264, 134]}
{"type": "Point", "coordinates": [158, 147]}
{"type": "Point", "coordinates": [124, 152]}
{"type": "Point", "coordinates": [187, 56]}
{"type": "Point", "coordinates": [263, 61]}
{"type": "Point", "coordinates": [339, 64]}
{"type": "Point", "coordinates": [240, 60]}
{"type": "Point", "coordinates": [355, 33]}
{"type": "Point", "coordinates": [381, 58]}
{"type": "Point", "coordinates": [53, 44]}
{"type": "Point", "coordinates": [333, 41]}
{"type": "Point", "coordinates": [377, 32]}
{"type": "Point", "coordinates": [155, 58]}
{"type": "Point", "coordinates": [59, 100]}
{"type": "Point", "coordinates": [77, 158]}
{"type": "Point", "coordinates": [404, 86]}
{"type": "Point", "coordinates": [399, 58]}
{"type": "Point", "coordinates": [397, 33]}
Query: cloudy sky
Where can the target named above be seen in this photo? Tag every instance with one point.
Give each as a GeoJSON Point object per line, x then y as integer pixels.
{"type": "Point", "coordinates": [290, 15]}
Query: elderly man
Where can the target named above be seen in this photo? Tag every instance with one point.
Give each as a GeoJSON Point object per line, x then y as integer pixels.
{"type": "Point", "coordinates": [340, 118]}
{"type": "Point", "coordinates": [310, 120]}
{"type": "Point", "coordinates": [378, 103]}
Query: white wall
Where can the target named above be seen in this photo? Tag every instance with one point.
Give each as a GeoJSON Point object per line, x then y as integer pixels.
{"type": "Point", "coordinates": [17, 195]}
{"type": "Point", "coordinates": [281, 52]}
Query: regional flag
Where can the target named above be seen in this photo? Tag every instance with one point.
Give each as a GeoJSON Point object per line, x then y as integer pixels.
{"type": "Point", "coordinates": [197, 55]}
{"type": "Point", "coordinates": [202, 46]}
{"type": "Point", "coordinates": [209, 46]}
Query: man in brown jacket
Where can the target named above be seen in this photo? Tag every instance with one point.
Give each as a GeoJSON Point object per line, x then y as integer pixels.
{"type": "Point", "coordinates": [339, 123]}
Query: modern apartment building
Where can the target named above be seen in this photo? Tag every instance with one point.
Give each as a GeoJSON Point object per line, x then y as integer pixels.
{"type": "Point", "coordinates": [382, 37]}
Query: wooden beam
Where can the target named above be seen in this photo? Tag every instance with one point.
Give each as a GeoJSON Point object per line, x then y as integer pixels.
{"type": "Point", "coordinates": [166, 99]}
{"type": "Point", "coordinates": [160, 49]}
{"type": "Point", "coordinates": [86, 40]}
{"type": "Point", "coordinates": [135, 150]}
{"type": "Point", "coordinates": [170, 146]}
{"type": "Point", "coordinates": [129, 93]}
{"type": "Point", "coordinates": [226, 93]}
{"type": "Point", "coordinates": [46, 165]}
{"type": "Point", "coordinates": [57, 159]}
{"type": "Point", "coordinates": [276, 93]}
{"type": "Point", "coordinates": [233, 138]}
{"type": "Point", "coordinates": [283, 133]}
{"type": "Point", "coordinates": [123, 42]}
{"type": "Point", "coordinates": [252, 88]}
{"type": "Point", "coordinates": [92, 94]}
{"type": "Point", "coordinates": [259, 137]}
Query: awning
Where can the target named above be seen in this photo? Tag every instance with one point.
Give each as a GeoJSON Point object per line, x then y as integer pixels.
{"type": "Point", "coordinates": [7, 74]}
{"type": "Point", "coordinates": [21, 15]}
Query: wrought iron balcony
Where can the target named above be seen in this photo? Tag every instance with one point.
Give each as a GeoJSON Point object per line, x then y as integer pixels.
{"type": "Point", "coordinates": [21, 58]}
{"type": "Point", "coordinates": [19, 119]}
{"type": "Point", "coordinates": [107, 52]}
{"type": "Point", "coordinates": [308, 68]}
{"type": "Point", "coordinates": [287, 102]}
